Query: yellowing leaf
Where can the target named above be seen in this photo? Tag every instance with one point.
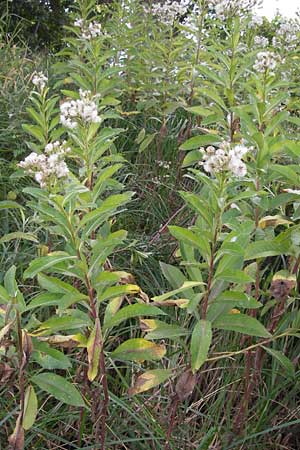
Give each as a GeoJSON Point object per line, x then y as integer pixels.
{"type": "Point", "coordinates": [30, 408]}
{"type": "Point", "coordinates": [139, 350]}
{"type": "Point", "coordinates": [273, 221]}
{"type": "Point", "coordinates": [149, 379]}
{"type": "Point", "coordinates": [94, 346]}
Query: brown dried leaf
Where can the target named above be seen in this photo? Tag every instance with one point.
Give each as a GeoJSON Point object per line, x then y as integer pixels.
{"type": "Point", "coordinates": [282, 284]}
{"type": "Point", "coordinates": [5, 372]}
{"type": "Point", "coordinates": [185, 385]}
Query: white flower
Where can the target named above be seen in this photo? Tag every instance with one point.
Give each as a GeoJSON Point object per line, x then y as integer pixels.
{"type": "Point", "coordinates": [226, 8]}
{"type": "Point", "coordinates": [255, 21]}
{"type": "Point", "coordinates": [261, 41]}
{"type": "Point", "coordinates": [84, 109]}
{"type": "Point", "coordinates": [88, 31]}
{"type": "Point", "coordinates": [225, 158]}
{"type": "Point", "coordinates": [39, 80]}
{"type": "Point", "coordinates": [47, 168]}
{"type": "Point", "coordinates": [168, 11]}
{"type": "Point", "coordinates": [266, 61]}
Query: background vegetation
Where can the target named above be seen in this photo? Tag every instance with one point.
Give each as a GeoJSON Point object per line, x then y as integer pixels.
{"type": "Point", "coordinates": [208, 265]}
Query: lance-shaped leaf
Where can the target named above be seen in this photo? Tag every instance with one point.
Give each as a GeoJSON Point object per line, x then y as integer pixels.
{"type": "Point", "coordinates": [190, 238]}
{"type": "Point", "coordinates": [94, 346]}
{"type": "Point", "coordinates": [49, 358]}
{"type": "Point", "coordinates": [45, 262]}
{"type": "Point", "coordinates": [4, 296]}
{"type": "Point", "coordinates": [131, 311]}
{"type": "Point", "coordinates": [157, 329]}
{"type": "Point", "coordinates": [149, 379]}
{"type": "Point", "coordinates": [241, 323]}
{"type": "Point", "coordinates": [273, 221]}
{"type": "Point", "coordinates": [263, 249]}
{"type": "Point", "coordinates": [139, 350]}
{"type": "Point", "coordinates": [285, 362]}
{"type": "Point", "coordinates": [186, 285]}
{"type": "Point", "coordinates": [234, 276]}
{"type": "Point", "coordinates": [55, 285]}
{"type": "Point", "coordinates": [10, 282]}
{"type": "Point", "coordinates": [9, 204]}
{"type": "Point", "coordinates": [18, 235]}
{"type": "Point", "coordinates": [59, 387]}
{"type": "Point", "coordinates": [116, 291]}
{"type": "Point", "coordinates": [60, 324]}
{"type": "Point", "coordinates": [30, 408]}
{"type": "Point", "coordinates": [199, 141]}
{"type": "Point", "coordinates": [200, 343]}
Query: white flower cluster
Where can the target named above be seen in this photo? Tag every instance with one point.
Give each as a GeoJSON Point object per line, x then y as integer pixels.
{"type": "Point", "coordinates": [286, 34]}
{"type": "Point", "coordinates": [88, 31]}
{"type": "Point", "coordinates": [39, 80]}
{"type": "Point", "coordinates": [163, 164]}
{"type": "Point", "coordinates": [266, 61]}
{"type": "Point", "coordinates": [169, 10]}
{"type": "Point", "coordinates": [225, 158]}
{"type": "Point", "coordinates": [48, 167]}
{"type": "Point", "coordinates": [84, 109]}
{"type": "Point", "coordinates": [255, 21]}
{"type": "Point", "coordinates": [261, 41]}
{"type": "Point", "coordinates": [225, 8]}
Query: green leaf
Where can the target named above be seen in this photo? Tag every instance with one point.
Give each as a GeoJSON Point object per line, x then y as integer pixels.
{"type": "Point", "coordinates": [234, 276]}
{"type": "Point", "coordinates": [8, 204]}
{"type": "Point", "coordinates": [30, 408]}
{"type": "Point", "coordinates": [186, 285]}
{"type": "Point", "coordinates": [55, 285]}
{"type": "Point", "coordinates": [190, 238]}
{"type": "Point", "coordinates": [4, 296]}
{"type": "Point", "coordinates": [45, 262]}
{"type": "Point", "coordinates": [60, 324]}
{"type": "Point", "coordinates": [200, 343]}
{"type": "Point", "coordinates": [139, 349]}
{"type": "Point", "coordinates": [193, 157]}
{"type": "Point", "coordinates": [263, 249]}
{"type": "Point", "coordinates": [200, 141]}
{"type": "Point", "coordinates": [198, 110]}
{"type": "Point", "coordinates": [45, 299]}
{"type": "Point", "coordinates": [241, 323]}
{"type": "Point", "coordinates": [146, 142]}
{"type": "Point", "coordinates": [174, 275]}
{"type": "Point", "coordinates": [149, 380]}
{"type": "Point", "coordinates": [285, 362]}
{"type": "Point", "coordinates": [18, 235]}
{"type": "Point", "coordinates": [10, 283]}
{"type": "Point", "coordinates": [157, 329]}
{"type": "Point", "coordinates": [131, 311]}
{"type": "Point", "coordinates": [59, 387]}
{"type": "Point", "coordinates": [49, 358]}
{"type": "Point", "coordinates": [116, 291]}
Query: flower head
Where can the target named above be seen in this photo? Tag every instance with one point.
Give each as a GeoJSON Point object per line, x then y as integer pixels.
{"type": "Point", "coordinates": [168, 11]}
{"type": "Point", "coordinates": [225, 158]}
{"type": "Point", "coordinates": [88, 31]}
{"type": "Point", "coordinates": [49, 166]}
{"type": "Point", "coordinates": [39, 80]}
{"type": "Point", "coordinates": [266, 61]}
{"type": "Point", "coordinates": [84, 109]}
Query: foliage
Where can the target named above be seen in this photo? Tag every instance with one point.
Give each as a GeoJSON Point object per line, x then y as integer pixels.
{"type": "Point", "coordinates": [197, 99]}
